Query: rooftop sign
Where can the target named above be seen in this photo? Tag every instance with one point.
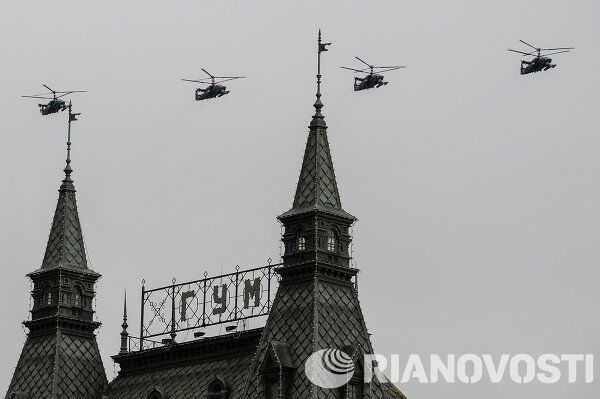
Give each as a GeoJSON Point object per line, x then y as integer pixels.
{"type": "Point", "coordinates": [228, 298]}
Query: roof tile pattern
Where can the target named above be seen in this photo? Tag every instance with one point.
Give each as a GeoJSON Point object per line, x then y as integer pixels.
{"type": "Point", "coordinates": [65, 242]}
{"type": "Point", "coordinates": [34, 372]}
{"type": "Point", "coordinates": [184, 381]}
{"type": "Point", "coordinates": [392, 391]}
{"type": "Point", "coordinates": [317, 186]}
{"type": "Point", "coordinates": [308, 317]}
{"type": "Point", "coordinates": [59, 366]}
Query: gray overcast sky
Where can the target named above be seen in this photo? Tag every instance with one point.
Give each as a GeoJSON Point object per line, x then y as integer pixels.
{"type": "Point", "coordinates": [476, 188]}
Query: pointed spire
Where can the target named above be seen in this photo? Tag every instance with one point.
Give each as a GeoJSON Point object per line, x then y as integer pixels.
{"type": "Point", "coordinates": [124, 333]}
{"type": "Point", "coordinates": [65, 242]}
{"type": "Point", "coordinates": [318, 119]}
{"type": "Point", "coordinates": [67, 183]}
{"type": "Point", "coordinates": [317, 186]}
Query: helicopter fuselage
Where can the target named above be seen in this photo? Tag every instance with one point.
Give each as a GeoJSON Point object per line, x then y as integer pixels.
{"type": "Point", "coordinates": [370, 81]}
{"type": "Point", "coordinates": [52, 107]}
{"type": "Point", "coordinates": [211, 91]}
{"type": "Point", "coordinates": [536, 65]}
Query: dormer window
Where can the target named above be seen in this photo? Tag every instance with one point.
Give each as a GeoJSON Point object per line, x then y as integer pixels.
{"type": "Point", "coordinates": [218, 389]}
{"type": "Point", "coordinates": [156, 393]}
{"type": "Point", "coordinates": [331, 239]}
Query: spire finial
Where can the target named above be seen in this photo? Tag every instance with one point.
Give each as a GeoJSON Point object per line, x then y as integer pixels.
{"type": "Point", "coordinates": [124, 333]}
{"type": "Point", "coordinates": [318, 118]}
{"type": "Point", "coordinates": [67, 183]}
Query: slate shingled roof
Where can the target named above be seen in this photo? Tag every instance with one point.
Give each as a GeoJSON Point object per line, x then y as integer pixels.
{"type": "Point", "coordinates": [318, 313]}
{"type": "Point", "coordinates": [59, 366]}
{"type": "Point", "coordinates": [184, 381]}
{"type": "Point", "coordinates": [65, 242]}
{"type": "Point", "coordinates": [186, 370]}
{"type": "Point", "coordinates": [182, 373]}
{"type": "Point", "coordinates": [392, 391]}
{"type": "Point", "coordinates": [317, 186]}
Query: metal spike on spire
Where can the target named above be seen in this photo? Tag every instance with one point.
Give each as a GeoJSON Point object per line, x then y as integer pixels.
{"type": "Point", "coordinates": [318, 117]}
{"type": "Point", "coordinates": [125, 307]}
{"type": "Point", "coordinates": [124, 333]}
{"type": "Point", "coordinates": [67, 182]}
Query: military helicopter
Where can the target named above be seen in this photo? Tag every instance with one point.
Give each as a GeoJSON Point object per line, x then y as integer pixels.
{"type": "Point", "coordinates": [56, 103]}
{"type": "Point", "coordinates": [540, 62]}
{"type": "Point", "coordinates": [214, 89]}
{"type": "Point", "coordinates": [373, 76]}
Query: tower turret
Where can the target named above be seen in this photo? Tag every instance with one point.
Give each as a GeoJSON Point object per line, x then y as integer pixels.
{"type": "Point", "coordinates": [317, 227]}
{"type": "Point", "coordinates": [316, 307]}
{"type": "Point", "coordinates": [60, 358]}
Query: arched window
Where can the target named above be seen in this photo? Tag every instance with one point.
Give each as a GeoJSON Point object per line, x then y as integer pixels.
{"type": "Point", "coordinates": [77, 297]}
{"type": "Point", "coordinates": [301, 242]}
{"type": "Point", "coordinates": [331, 239]}
{"type": "Point", "coordinates": [156, 393]}
{"type": "Point", "coordinates": [218, 389]}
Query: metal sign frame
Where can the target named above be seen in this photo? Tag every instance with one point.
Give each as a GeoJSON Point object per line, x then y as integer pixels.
{"type": "Point", "coordinates": [207, 302]}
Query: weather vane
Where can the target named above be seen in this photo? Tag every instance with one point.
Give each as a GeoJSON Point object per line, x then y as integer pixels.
{"type": "Point", "coordinates": [72, 118]}
{"type": "Point", "coordinates": [321, 47]}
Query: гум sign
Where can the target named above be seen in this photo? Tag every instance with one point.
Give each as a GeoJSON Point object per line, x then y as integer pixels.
{"type": "Point", "coordinates": [209, 301]}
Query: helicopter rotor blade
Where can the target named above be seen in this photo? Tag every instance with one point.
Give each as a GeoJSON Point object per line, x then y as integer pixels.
{"type": "Point", "coordinates": [558, 48]}
{"type": "Point", "coordinates": [38, 95]}
{"type": "Point", "coordinates": [523, 41]}
{"type": "Point", "coordinates": [355, 70]}
{"type": "Point", "coordinates": [520, 52]}
{"type": "Point", "coordinates": [558, 52]}
{"type": "Point", "coordinates": [195, 81]}
{"type": "Point", "coordinates": [390, 69]}
{"type": "Point", "coordinates": [72, 91]}
{"type": "Point", "coordinates": [370, 66]}
{"type": "Point", "coordinates": [43, 98]}
{"type": "Point", "coordinates": [49, 89]}
{"type": "Point", "coordinates": [208, 73]}
{"type": "Point", "coordinates": [66, 93]}
{"type": "Point", "coordinates": [230, 77]}
{"type": "Point", "coordinates": [227, 80]}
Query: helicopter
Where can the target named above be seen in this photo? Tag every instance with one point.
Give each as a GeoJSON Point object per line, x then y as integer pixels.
{"type": "Point", "coordinates": [540, 62]}
{"type": "Point", "coordinates": [373, 78]}
{"type": "Point", "coordinates": [56, 103]}
{"type": "Point", "coordinates": [214, 89]}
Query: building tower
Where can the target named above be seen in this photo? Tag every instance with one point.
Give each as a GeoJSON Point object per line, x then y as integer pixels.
{"type": "Point", "coordinates": [60, 358]}
{"type": "Point", "coordinates": [316, 306]}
